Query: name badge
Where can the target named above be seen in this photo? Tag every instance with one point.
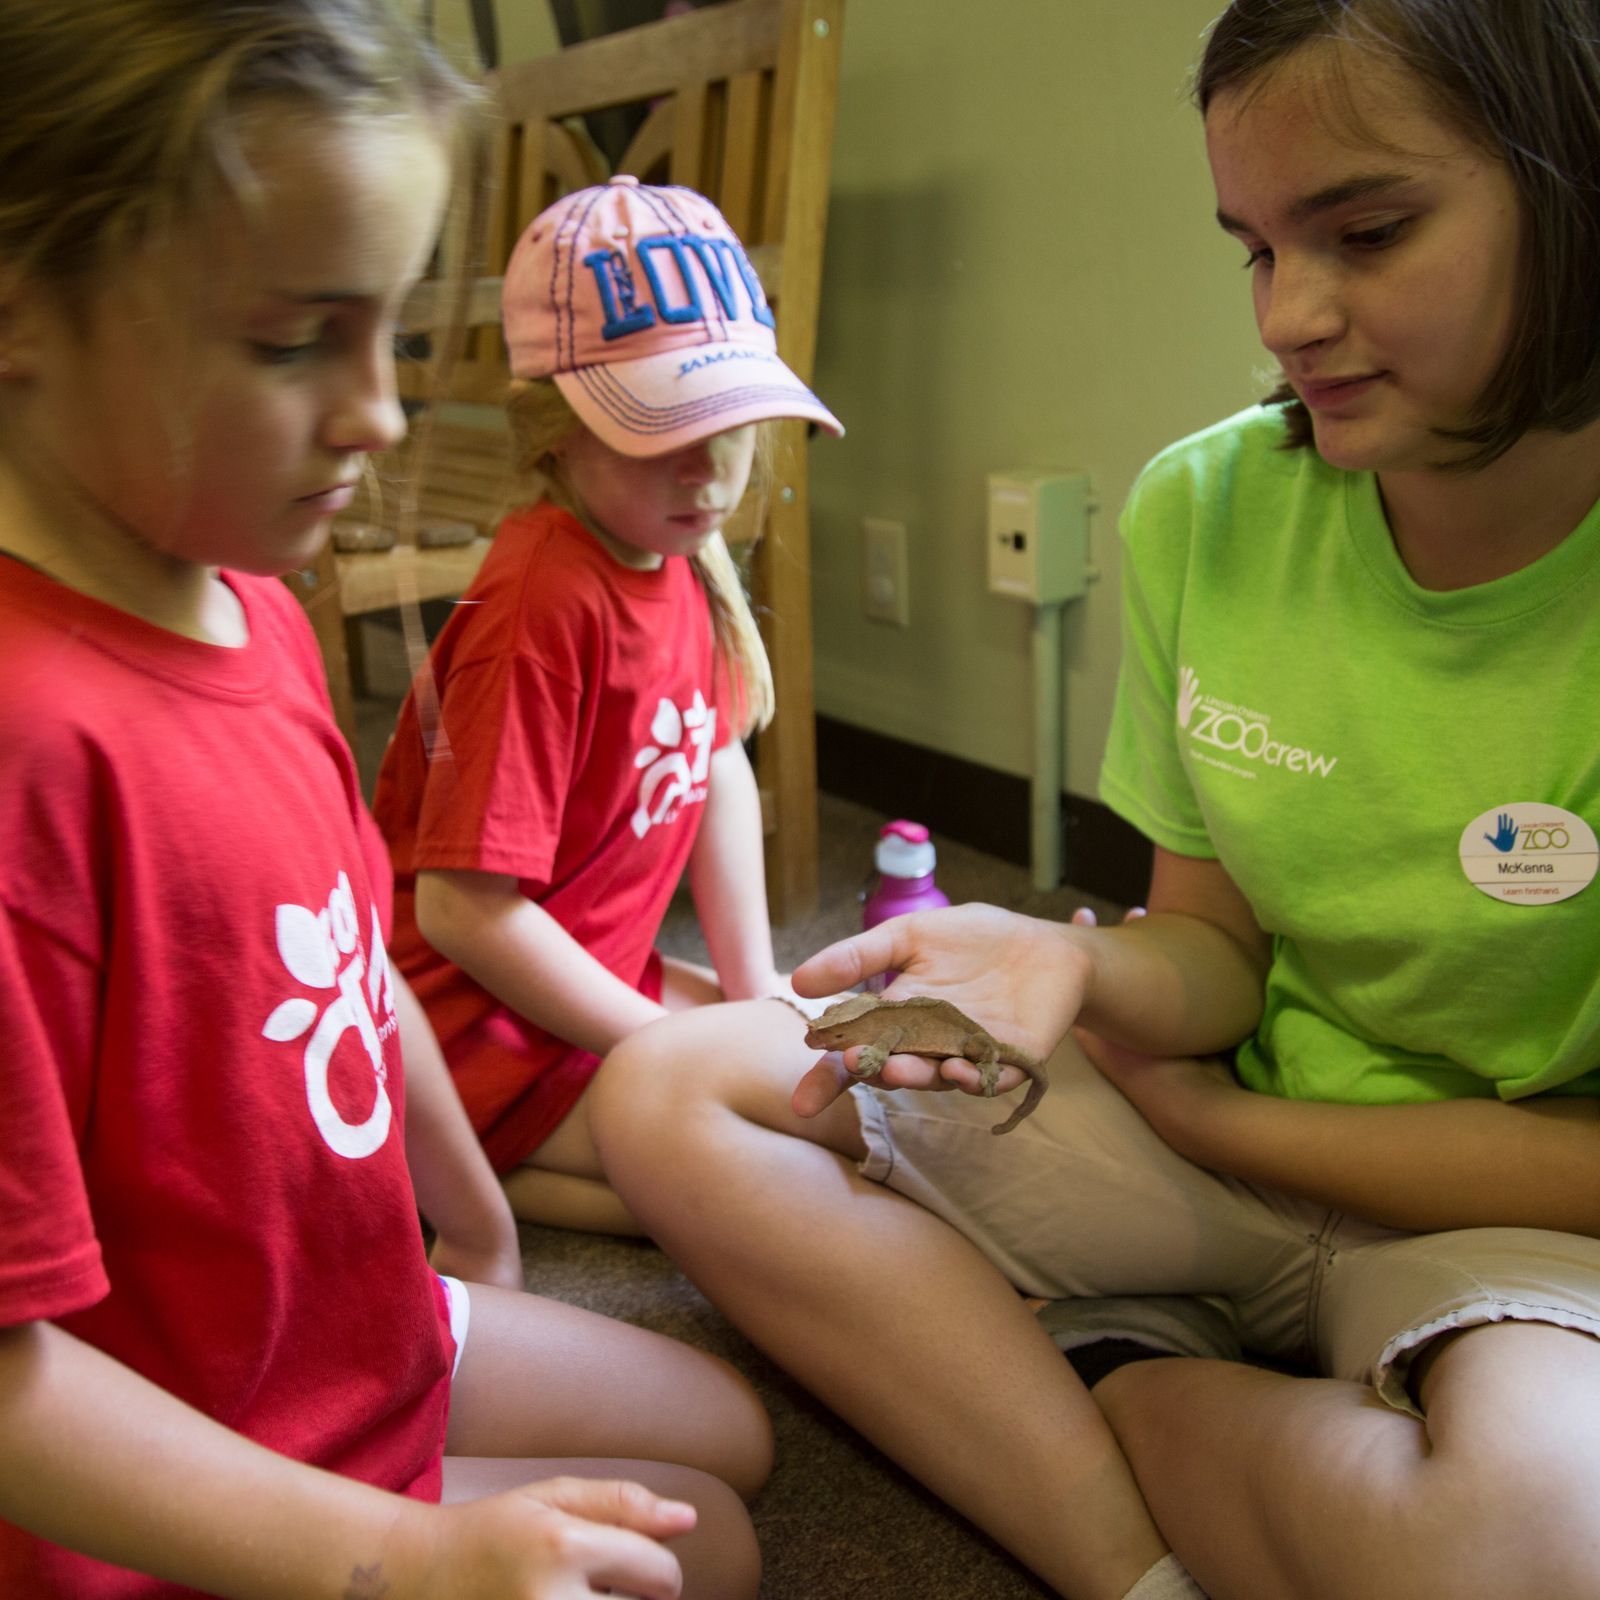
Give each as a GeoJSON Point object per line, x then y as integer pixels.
{"type": "Point", "coordinates": [1529, 855]}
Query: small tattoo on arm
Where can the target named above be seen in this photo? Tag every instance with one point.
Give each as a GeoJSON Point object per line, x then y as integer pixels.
{"type": "Point", "coordinates": [367, 1583]}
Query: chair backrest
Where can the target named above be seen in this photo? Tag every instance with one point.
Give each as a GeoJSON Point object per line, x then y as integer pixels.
{"type": "Point", "coordinates": [740, 100]}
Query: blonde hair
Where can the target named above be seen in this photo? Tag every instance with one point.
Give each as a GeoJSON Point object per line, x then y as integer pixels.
{"type": "Point", "coordinates": [541, 420]}
{"type": "Point", "coordinates": [122, 116]}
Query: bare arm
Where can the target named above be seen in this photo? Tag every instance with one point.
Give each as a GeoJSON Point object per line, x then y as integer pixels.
{"type": "Point", "coordinates": [526, 959]}
{"type": "Point", "coordinates": [1447, 1164]}
{"type": "Point", "coordinates": [1187, 978]}
{"type": "Point", "coordinates": [456, 1189]}
{"type": "Point", "coordinates": [100, 1461]}
{"type": "Point", "coordinates": [1429, 1167]}
{"type": "Point", "coordinates": [727, 876]}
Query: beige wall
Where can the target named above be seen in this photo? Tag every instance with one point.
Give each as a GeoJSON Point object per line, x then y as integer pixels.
{"type": "Point", "coordinates": [525, 27]}
{"type": "Point", "coordinates": [1022, 270]}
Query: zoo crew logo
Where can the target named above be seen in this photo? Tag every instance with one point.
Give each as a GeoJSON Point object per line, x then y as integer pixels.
{"type": "Point", "coordinates": [1529, 854]}
{"type": "Point", "coordinates": [1236, 733]}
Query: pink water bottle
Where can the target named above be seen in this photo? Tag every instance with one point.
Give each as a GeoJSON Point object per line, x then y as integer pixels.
{"type": "Point", "coordinates": [904, 857]}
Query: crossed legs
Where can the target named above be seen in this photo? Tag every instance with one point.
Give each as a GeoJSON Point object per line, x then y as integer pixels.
{"type": "Point", "coordinates": [1267, 1485]}
{"type": "Point", "coordinates": [883, 1311]}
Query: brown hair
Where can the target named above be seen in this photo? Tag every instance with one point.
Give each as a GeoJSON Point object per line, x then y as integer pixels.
{"type": "Point", "coordinates": [540, 420]}
{"type": "Point", "coordinates": [1522, 82]}
{"type": "Point", "coordinates": [121, 116]}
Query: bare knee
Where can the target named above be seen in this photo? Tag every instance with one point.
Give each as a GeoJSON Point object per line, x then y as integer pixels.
{"type": "Point", "coordinates": [649, 1093]}
{"type": "Point", "coordinates": [720, 1557]}
{"type": "Point", "coordinates": [1513, 1468]}
{"type": "Point", "coordinates": [1328, 1492]}
{"type": "Point", "coordinates": [744, 1447]}
{"type": "Point", "coordinates": [660, 1086]}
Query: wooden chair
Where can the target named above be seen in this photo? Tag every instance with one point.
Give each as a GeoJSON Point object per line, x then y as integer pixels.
{"type": "Point", "coordinates": [740, 101]}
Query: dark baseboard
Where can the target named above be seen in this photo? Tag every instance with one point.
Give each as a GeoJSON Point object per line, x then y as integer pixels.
{"type": "Point", "coordinates": [980, 807]}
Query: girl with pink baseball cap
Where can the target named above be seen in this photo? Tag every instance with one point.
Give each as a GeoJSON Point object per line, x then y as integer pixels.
{"type": "Point", "coordinates": [594, 686]}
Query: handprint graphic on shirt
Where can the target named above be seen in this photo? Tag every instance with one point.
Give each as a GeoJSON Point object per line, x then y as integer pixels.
{"type": "Point", "coordinates": [311, 946]}
{"type": "Point", "coordinates": [1188, 695]}
{"type": "Point", "coordinates": [670, 778]}
{"type": "Point", "coordinates": [1505, 836]}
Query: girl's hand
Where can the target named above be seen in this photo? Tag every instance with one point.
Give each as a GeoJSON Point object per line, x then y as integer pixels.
{"type": "Point", "coordinates": [546, 1541]}
{"type": "Point", "coordinates": [1020, 979]}
{"type": "Point", "coordinates": [1194, 1105]}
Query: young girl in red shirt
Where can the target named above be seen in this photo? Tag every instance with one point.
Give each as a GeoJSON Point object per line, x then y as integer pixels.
{"type": "Point", "coordinates": [588, 698]}
{"type": "Point", "coordinates": [226, 1363]}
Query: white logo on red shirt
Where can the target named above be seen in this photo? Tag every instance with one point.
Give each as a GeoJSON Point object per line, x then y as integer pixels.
{"type": "Point", "coordinates": [670, 780]}
{"type": "Point", "coordinates": [312, 945]}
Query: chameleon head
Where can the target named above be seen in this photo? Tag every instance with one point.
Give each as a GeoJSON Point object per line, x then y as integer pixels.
{"type": "Point", "coordinates": [833, 1030]}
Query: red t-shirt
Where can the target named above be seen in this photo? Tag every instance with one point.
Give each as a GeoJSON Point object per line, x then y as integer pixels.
{"type": "Point", "coordinates": [578, 712]}
{"type": "Point", "coordinates": [202, 1169]}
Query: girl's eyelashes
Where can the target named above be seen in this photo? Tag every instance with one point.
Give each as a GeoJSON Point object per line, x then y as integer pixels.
{"type": "Point", "coordinates": [1378, 237]}
{"type": "Point", "coordinates": [279, 355]}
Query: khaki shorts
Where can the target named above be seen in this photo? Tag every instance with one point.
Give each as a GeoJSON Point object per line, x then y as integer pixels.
{"type": "Point", "coordinates": [1084, 1199]}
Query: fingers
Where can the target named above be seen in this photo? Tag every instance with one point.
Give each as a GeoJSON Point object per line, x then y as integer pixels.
{"type": "Point", "coordinates": [617, 1501]}
{"type": "Point", "coordinates": [821, 1086]}
{"type": "Point", "coordinates": [850, 961]}
{"type": "Point", "coordinates": [609, 1533]}
{"type": "Point", "coordinates": [831, 1077]}
{"type": "Point", "coordinates": [959, 1073]}
{"type": "Point", "coordinates": [1084, 916]}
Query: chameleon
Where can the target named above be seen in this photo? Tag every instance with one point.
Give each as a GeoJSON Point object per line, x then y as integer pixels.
{"type": "Point", "coordinates": [921, 1026]}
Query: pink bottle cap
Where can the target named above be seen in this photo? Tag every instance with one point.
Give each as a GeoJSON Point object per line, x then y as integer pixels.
{"type": "Point", "coordinates": [911, 832]}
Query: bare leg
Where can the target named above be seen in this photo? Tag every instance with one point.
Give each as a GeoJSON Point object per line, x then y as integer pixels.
{"type": "Point", "coordinates": [880, 1308]}
{"type": "Point", "coordinates": [540, 1378]}
{"type": "Point", "coordinates": [1273, 1486]}
{"type": "Point", "coordinates": [541, 1382]}
{"type": "Point", "coordinates": [686, 984]}
{"type": "Point", "coordinates": [561, 1185]}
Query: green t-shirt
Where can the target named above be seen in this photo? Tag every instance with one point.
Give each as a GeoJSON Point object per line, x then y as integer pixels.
{"type": "Point", "coordinates": [1293, 705]}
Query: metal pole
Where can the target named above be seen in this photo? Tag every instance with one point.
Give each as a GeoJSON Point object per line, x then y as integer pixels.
{"type": "Point", "coordinates": [1048, 734]}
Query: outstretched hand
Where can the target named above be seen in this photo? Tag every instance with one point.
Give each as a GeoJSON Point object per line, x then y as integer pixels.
{"type": "Point", "coordinates": [1019, 978]}
{"type": "Point", "coordinates": [554, 1540]}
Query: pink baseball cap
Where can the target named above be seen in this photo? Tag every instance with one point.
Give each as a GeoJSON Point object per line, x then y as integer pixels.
{"type": "Point", "coordinates": [644, 308]}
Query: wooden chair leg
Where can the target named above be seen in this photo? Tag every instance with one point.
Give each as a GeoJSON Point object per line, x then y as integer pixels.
{"type": "Point", "coordinates": [355, 652]}
{"type": "Point", "coordinates": [786, 756]}
{"type": "Point", "coordinates": [317, 589]}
